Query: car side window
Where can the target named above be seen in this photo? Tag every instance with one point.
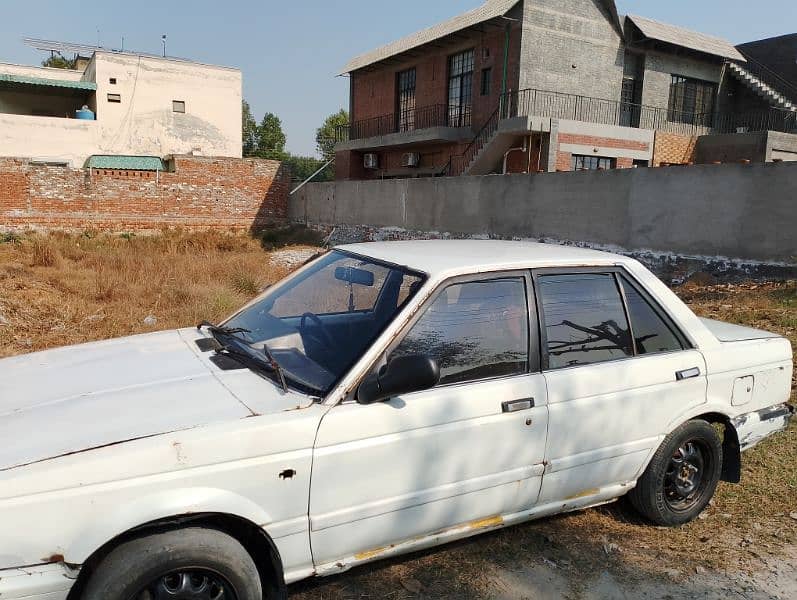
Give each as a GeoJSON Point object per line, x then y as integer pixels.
{"type": "Point", "coordinates": [651, 333]}
{"type": "Point", "coordinates": [474, 330]}
{"type": "Point", "coordinates": [584, 319]}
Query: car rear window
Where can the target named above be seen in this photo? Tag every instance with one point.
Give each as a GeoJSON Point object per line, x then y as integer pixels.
{"type": "Point", "coordinates": [584, 319]}
{"type": "Point", "coordinates": [651, 333]}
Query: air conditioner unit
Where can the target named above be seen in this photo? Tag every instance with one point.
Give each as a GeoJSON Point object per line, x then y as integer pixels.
{"type": "Point", "coordinates": [371, 160]}
{"type": "Point", "coordinates": [411, 159]}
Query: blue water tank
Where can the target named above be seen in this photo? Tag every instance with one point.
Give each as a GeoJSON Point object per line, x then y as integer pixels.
{"type": "Point", "coordinates": [84, 113]}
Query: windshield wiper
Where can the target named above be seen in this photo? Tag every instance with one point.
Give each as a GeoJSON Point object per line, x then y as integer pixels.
{"type": "Point", "coordinates": [221, 329]}
{"type": "Point", "coordinates": [244, 351]}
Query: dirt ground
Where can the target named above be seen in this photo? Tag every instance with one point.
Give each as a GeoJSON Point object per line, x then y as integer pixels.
{"type": "Point", "coordinates": [63, 289]}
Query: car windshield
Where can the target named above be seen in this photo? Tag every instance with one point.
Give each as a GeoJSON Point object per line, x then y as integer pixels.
{"type": "Point", "coordinates": [318, 322]}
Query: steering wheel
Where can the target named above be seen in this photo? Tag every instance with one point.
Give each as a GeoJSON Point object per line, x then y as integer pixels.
{"type": "Point", "coordinates": [324, 335]}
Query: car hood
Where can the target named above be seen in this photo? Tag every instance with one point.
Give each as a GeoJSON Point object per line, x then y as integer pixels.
{"type": "Point", "coordinates": [76, 398]}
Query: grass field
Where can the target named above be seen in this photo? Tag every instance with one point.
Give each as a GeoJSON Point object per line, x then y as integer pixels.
{"type": "Point", "coordinates": [63, 289]}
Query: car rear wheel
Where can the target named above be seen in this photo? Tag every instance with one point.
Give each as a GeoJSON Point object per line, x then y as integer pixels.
{"type": "Point", "coordinates": [682, 477]}
{"type": "Point", "coordinates": [185, 564]}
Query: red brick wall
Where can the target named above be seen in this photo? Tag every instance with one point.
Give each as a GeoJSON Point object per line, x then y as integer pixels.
{"type": "Point", "coordinates": [564, 161]}
{"type": "Point", "coordinates": [201, 192]}
{"type": "Point", "coordinates": [673, 148]}
{"type": "Point", "coordinates": [589, 140]}
{"type": "Point", "coordinates": [349, 164]}
{"type": "Point", "coordinates": [373, 92]}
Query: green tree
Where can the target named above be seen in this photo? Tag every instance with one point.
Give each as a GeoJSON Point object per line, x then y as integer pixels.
{"type": "Point", "coordinates": [57, 61]}
{"type": "Point", "coordinates": [325, 135]}
{"type": "Point", "coordinates": [303, 166]}
{"type": "Point", "coordinates": [250, 131]}
{"type": "Point", "coordinates": [271, 138]}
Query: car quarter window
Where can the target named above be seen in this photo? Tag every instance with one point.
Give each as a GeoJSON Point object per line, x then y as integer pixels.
{"type": "Point", "coordinates": [651, 333]}
{"type": "Point", "coordinates": [474, 330]}
{"type": "Point", "coordinates": [584, 319]}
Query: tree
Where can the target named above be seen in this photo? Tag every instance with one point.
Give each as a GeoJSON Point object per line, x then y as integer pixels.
{"type": "Point", "coordinates": [325, 135]}
{"type": "Point", "coordinates": [57, 61]}
{"type": "Point", "coordinates": [303, 166]}
{"type": "Point", "coordinates": [271, 138]}
{"type": "Point", "coordinates": [249, 129]}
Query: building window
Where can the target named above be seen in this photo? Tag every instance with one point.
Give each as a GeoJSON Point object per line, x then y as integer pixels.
{"type": "Point", "coordinates": [405, 100]}
{"type": "Point", "coordinates": [487, 81]}
{"type": "Point", "coordinates": [114, 98]}
{"type": "Point", "coordinates": [460, 88]}
{"type": "Point", "coordinates": [591, 163]}
{"type": "Point", "coordinates": [112, 80]}
{"type": "Point", "coordinates": [691, 100]}
{"type": "Point", "coordinates": [475, 330]}
{"type": "Point", "coordinates": [178, 106]}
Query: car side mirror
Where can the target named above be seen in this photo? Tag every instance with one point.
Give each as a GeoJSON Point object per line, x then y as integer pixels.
{"type": "Point", "coordinates": [402, 375]}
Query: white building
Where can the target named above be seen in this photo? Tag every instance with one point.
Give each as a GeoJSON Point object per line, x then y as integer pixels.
{"type": "Point", "coordinates": [143, 105]}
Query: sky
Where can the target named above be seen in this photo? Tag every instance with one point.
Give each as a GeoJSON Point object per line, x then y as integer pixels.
{"type": "Point", "coordinates": [290, 52]}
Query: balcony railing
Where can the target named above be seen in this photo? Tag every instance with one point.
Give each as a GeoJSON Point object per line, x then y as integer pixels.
{"type": "Point", "coordinates": [542, 103]}
{"type": "Point", "coordinates": [436, 115]}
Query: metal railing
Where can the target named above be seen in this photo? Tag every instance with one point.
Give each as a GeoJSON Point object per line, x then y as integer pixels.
{"type": "Point", "coordinates": [459, 162]}
{"type": "Point", "coordinates": [774, 119]}
{"type": "Point", "coordinates": [784, 87]}
{"type": "Point", "coordinates": [436, 115]}
{"type": "Point", "coordinates": [543, 103]}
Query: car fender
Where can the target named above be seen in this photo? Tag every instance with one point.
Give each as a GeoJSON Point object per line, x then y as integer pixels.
{"type": "Point", "coordinates": [687, 415]}
{"type": "Point", "coordinates": [159, 506]}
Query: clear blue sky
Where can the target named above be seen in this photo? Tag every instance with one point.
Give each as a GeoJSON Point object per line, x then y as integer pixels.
{"type": "Point", "coordinates": [290, 51]}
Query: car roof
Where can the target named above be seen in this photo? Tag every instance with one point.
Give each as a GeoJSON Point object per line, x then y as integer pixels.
{"type": "Point", "coordinates": [452, 257]}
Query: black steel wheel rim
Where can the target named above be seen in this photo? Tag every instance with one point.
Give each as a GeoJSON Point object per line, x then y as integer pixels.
{"type": "Point", "coordinates": [188, 584]}
{"type": "Point", "coordinates": [687, 475]}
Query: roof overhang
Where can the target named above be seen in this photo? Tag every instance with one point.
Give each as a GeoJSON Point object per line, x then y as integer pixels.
{"type": "Point", "coordinates": [24, 82]}
{"type": "Point", "coordinates": [490, 10]}
{"type": "Point", "coordinates": [684, 38]}
{"type": "Point", "coordinates": [125, 163]}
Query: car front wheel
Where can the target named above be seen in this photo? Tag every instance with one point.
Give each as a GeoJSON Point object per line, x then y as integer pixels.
{"type": "Point", "coordinates": [681, 479]}
{"type": "Point", "coordinates": [185, 564]}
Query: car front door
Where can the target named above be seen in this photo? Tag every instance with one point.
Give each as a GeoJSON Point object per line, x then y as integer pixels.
{"type": "Point", "coordinates": [612, 388]}
{"type": "Point", "coordinates": [459, 455]}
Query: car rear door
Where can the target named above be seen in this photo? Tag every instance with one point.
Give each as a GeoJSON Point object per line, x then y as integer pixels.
{"type": "Point", "coordinates": [458, 455]}
{"type": "Point", "coordinates": [612, 388]}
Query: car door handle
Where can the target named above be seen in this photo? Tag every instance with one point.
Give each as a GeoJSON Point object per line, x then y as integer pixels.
{"type": "Point", "coordinates": [511, 406]}
{"type": "Point", "coordinates": [687, 374]}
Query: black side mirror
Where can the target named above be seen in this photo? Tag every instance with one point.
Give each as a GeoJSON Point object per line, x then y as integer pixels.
{"type": "Point", "coordinates": [402, 375]}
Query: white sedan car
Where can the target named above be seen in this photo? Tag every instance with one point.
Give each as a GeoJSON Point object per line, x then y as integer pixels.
{"type": "Point", "coordinates": [383, 398]}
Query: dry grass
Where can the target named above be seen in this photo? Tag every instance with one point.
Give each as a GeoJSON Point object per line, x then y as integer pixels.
{"type": "Point", "coordinates": [64, 289]}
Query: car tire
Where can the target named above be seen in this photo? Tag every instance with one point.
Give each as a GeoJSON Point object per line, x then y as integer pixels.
{"type": "Point", "coordinates": [681, 478]}
{"type": "Point", "coordinates": [186, 563]}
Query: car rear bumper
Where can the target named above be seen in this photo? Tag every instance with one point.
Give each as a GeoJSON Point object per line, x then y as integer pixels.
{"type": "Point", "coordinates": [756, 426]}
{"type": "Point", "coordinates": [42, 582]}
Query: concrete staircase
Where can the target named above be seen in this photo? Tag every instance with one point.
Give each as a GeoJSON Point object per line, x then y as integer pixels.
{"type": "Point", "coordinates": [761, 88]}
{"type": "Point", "coordinates": [505, 134]}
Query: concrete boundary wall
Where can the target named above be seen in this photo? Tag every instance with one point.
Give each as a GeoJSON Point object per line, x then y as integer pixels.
{"type": "Point", "coordinates": [746, 212]}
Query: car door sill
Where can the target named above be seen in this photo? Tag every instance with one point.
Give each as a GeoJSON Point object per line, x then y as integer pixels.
{"type": "Point", "coordinates": [601, 496]}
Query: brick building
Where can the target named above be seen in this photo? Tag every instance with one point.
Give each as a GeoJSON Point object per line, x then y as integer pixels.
{"type": "Point", "coordinates": [546, 85]}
